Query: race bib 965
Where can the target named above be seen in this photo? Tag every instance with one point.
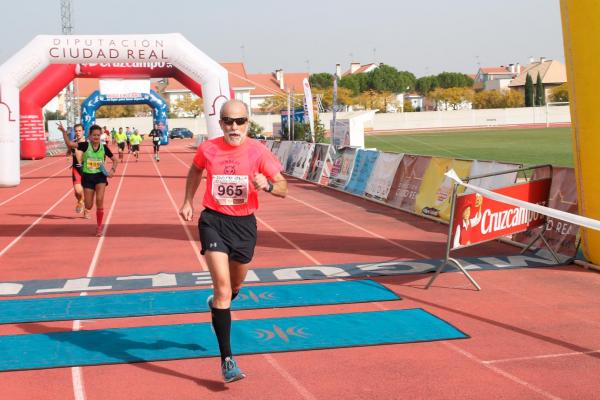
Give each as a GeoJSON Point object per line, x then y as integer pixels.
{"type": "Point", "coordinates": [230, 190]}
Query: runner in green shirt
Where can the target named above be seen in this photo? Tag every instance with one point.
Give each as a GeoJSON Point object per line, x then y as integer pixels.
{"type": "Point", "coordinates": [135, 140]}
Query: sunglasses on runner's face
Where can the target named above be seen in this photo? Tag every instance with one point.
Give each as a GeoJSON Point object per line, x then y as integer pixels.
{"type": "Point", "coordinates": [238, 121]}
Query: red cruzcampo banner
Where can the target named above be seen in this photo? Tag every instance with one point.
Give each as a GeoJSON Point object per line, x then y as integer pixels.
{"type": "Point", "coordinates": [478, 219]}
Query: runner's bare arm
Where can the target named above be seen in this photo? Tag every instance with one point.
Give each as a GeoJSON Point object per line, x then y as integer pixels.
{"type": "Point", "coordinates": [71, 144]}
{"type": "Point", "coordinates": [115, 162]}
{"type": "Point", "coordinates": [191, 186]}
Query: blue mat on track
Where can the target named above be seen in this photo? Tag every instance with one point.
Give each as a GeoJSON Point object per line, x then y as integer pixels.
{"type": "Point", "coordinates": [189, 301]}
{"type": "Point", "coordinates": [153, 343]}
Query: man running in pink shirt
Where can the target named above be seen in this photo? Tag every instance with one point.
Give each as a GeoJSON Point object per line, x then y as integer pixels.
{"type": "Point", "coordinates": [237, 168]}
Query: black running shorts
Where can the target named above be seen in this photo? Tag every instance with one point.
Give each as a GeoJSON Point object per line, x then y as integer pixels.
{"type": "Point", "coordinates": [135, 147]}
{"type": "Point", "coordinates": [89, 181]}
{"type": "Point", "coordinates": [235, 236]}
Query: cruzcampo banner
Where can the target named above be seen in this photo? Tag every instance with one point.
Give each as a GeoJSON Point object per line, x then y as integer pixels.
{"type": "Point", "coordinates": [435, 192]}
{"type": "Point", "coordinates": [478, 219]}
{"type": "Point", "coordinates": [343, 162]}
{"type": "Point", "coordinates": [363, 167]}
{"type": "Point", "coordinates": [407, 181]}
{"type": "Point", "coordinates": [562, 236]}
{"type": "Point", "coordinates": [384, 171]}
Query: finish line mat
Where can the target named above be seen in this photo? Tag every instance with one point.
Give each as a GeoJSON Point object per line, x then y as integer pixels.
{"type": "Point", "coordinates": [190, 301]}
{"type": "Point", "coordinates": [154, 343]}
{"type": "Point", "coordinates": [161, 280]}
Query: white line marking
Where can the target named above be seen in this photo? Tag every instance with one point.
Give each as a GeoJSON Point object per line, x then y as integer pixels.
{"type": "Point", "coordinates": [541, 357]}
{"type": "Point", "coordinates": [359, 227]}
{"type": "Point", "coordinates": [501, 372]}
{"type": "Point", "coordinates": [34, 223]}
{"type": "Point", "coordinates": [182, 222]}
{"type": "Point", "coordinates": [33, 186]}
{"type": "Point", "coordinates": [77, 372]}
{"type": "Point", "coordinates": [304, 253]}
{"type": "Point", "coordinates": [40, 167]}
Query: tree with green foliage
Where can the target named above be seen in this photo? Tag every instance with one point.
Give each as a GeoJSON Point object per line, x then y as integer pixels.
{"type": "Point", "coordinates": [321, 80]}
{"type": "Point", "coordinates": [52, 115]}
{"type": "Point", "coordinates": [357, 83]}
{"type": "Point", "coordinates": [426, 84]}
{"type": "Point", "coordinates": [560, 93]}
{"type": "Point", "coordinates": [528, 91]}
{"type": "Point", "coordinates": [454, 79]}
{"type": "Point", "coordinates": [255, 129]}
{"type": "Point", "coordinates": [540, 95]}
{"type": "Point", "coordinates": [386, 78]}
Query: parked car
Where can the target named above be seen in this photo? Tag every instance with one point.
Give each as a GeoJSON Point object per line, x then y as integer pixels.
{"type": "Point", "coordinates": [180, 133]}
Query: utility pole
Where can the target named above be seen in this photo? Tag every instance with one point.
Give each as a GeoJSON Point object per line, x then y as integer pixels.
{"type": "Point", "coordinates": [71, 97]}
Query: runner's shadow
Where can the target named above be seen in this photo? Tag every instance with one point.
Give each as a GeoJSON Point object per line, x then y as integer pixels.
{"type": "Point", "coordinates": [47, 216]}
{"type": "Point", "coordinates": [118, 349]}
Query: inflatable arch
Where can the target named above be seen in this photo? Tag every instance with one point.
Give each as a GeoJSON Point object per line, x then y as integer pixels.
{"type": "Point", "coordinates": [582, 55]}
{"type": "Point", "coordinates": [160, 109]}
{"type": "Point", "coordinates": [104, 54]}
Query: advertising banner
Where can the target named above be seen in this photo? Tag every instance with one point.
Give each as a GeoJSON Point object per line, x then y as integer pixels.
{"type": "Point", "coordinates": [407, 181]}
{"type": "Point", "coordinates": [343, 161]}
{"type": "Point", "coordinates": [492, 182]}
{"type": "Point", "coordinates": [478, 219]}
{"type": "Point", "coordinates": [293, 155]}
{"type": "Point", "coordinates": [434, 194]}
{"type": "Point", "coordinates": [341, 132]}
{"type": "Point", "coordinates": [317, 162]}
{"type": "Point", "coordinates": [308, 108]}
{"type": "Point", "coordinates": [560, 235]}
{"type": "Point", "coordinates": [363, 167]}
{"type": "Point", "coordinates": [384, 171]}
{"type": "Point", "coordinates": [283, 151]}
{"type": "Point", "coordinates": [300, 164]}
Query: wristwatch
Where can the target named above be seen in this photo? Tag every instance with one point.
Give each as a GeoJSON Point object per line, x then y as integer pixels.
{"type": "Point", "coordinates": [269, 188]}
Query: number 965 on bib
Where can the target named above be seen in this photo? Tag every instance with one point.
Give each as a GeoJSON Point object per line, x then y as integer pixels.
{"type": "Point", "coordinates": [230, 190]}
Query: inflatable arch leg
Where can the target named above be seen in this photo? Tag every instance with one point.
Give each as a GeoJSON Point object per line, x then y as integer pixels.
{"type": "Point", "coordinates": [582, 56]}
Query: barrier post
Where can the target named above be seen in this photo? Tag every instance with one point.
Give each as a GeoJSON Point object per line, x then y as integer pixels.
{"type": "Point", "coordinates": [449, 260]}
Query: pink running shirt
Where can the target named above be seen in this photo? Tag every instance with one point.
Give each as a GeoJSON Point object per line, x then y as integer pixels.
{"type": "Point", "coordinates": [230, 171]}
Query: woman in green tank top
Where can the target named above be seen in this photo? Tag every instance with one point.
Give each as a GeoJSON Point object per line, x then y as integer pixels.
{"type": "Point", "coordinates": [91, 156]}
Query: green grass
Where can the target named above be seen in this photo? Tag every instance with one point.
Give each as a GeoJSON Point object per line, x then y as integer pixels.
{"type": "Point", "coordinates": [527, 146]}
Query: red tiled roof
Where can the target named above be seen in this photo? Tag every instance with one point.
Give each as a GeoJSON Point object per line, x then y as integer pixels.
{"type": "Point", "coordinates": [495, 70]}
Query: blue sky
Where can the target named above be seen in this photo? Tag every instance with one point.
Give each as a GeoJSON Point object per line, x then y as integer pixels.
{"type": "Point", "coordinates": [424, 37]}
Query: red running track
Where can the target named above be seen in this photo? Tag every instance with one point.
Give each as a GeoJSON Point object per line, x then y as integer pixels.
{"type": "Point", "coordinates": [533, 331]}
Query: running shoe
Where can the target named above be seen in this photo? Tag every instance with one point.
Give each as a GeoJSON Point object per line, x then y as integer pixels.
{"type": "Point", "coordinates": [79, 207]}
{"type": "Point", "coordinates": [231, 371]}
{"type": "Point", "coordinates": [99, 231]}
{"type": "Point", "coordinates": [86, 213]}
{"type": "Point", "coordinates": [157, 158]}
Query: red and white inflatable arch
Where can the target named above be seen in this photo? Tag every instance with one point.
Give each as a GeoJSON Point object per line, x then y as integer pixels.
{"type": "Point", "coordinates": [29, 80]}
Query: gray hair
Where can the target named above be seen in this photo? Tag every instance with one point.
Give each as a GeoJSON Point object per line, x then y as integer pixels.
{"type": "Point", "coordinates": [233, 101]}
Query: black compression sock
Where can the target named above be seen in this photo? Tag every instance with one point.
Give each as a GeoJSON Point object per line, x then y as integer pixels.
{"type": "Point", "coordinates": [221, 321]}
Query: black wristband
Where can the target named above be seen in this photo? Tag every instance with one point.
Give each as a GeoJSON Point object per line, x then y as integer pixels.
{"type": "Point", "coordinates": [269, 188]}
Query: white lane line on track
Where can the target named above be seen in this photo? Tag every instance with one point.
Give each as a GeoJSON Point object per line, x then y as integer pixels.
{"type": "Point", "coordinates": [34, 223]}
{"type": "Point", "coordinates": [501, 372]}
{"type": "Point", "coordinates": [359, 227]}
{"type": "Point", "coordinates": [32, 186]}
{"type": "Point", "coordinates": [77, 372]}
{"type": "Point", "coordinates": [193, 243]}
{"type": "Point", "coordinates": [40, 167]}
{"type": "Point", "coordinates": [305, 393]}
{"type": "Point", "coordinates": [541, 357]}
